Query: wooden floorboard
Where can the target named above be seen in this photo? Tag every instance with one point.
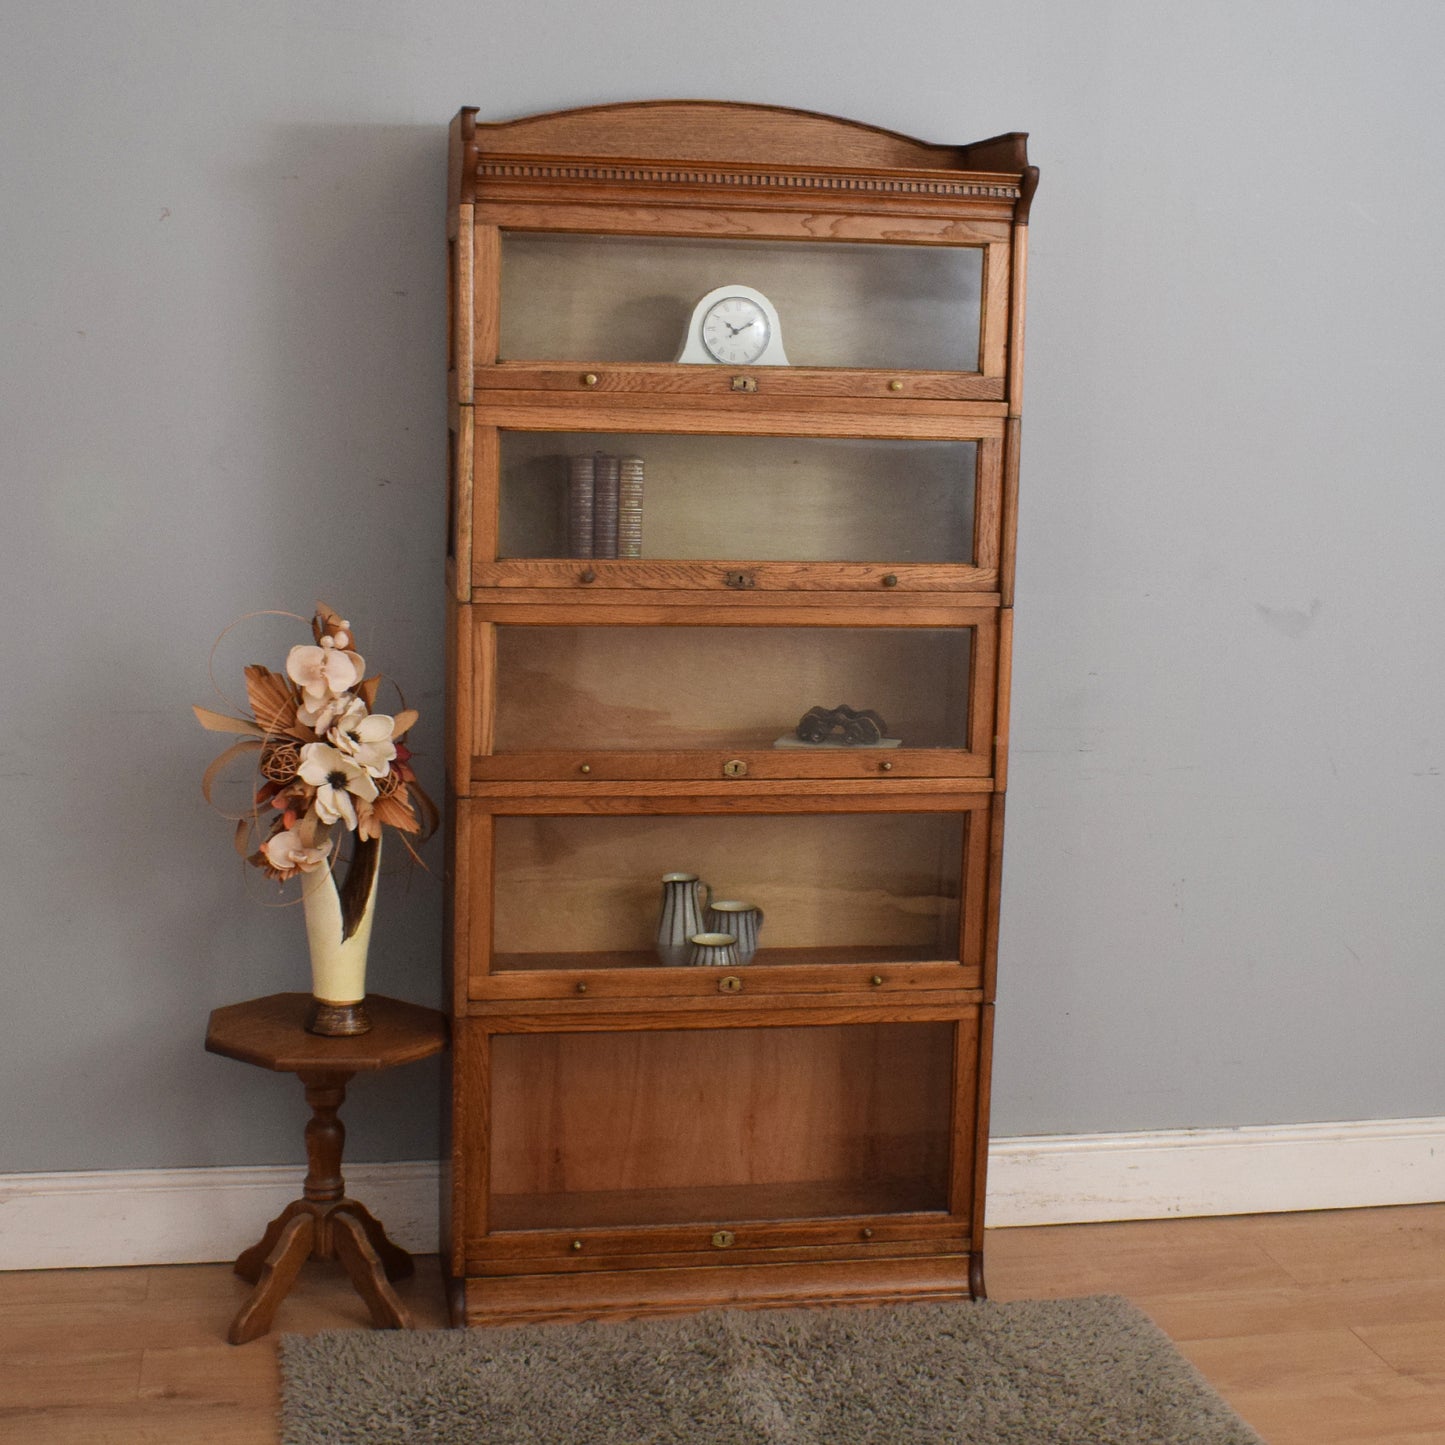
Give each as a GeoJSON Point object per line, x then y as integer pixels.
{"type": "Point", "coordinates": [1320, 1329]}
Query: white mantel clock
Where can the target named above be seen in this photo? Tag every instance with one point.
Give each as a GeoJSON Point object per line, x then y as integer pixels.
{"type": "Point", "coordinates": [734, 325]}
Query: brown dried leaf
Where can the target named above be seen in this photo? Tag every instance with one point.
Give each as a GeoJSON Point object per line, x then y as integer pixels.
{"type": "Point", "coordinates": [367, 690]}
{"type": "Point", "coordinates": [395, 812]}
{"type": "Point", "coordinates": [272, 700]}
{"type": "Point", "coordinates": [405, 721]}
{"type": "Point", "coordinates": [218, 722]}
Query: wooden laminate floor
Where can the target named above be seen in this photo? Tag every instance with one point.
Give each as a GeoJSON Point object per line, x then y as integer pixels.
{"type": "Point", "coordinates": [1321, 1329]}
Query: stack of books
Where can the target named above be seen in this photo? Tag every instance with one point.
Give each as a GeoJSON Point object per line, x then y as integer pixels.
{"type": "Point", "coordinates": [604, 506]}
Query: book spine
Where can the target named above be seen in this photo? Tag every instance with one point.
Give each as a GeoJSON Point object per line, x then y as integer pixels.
{"type": "Point", "coordinates": [604, 525]}
{"type": "Point", "coordinates": [629, 507]}
{"type": "Point", "coordinates": [581, 506]}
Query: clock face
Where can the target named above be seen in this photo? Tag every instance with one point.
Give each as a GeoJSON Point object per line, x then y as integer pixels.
{"type": "Point", "coordinates": [735, 330]}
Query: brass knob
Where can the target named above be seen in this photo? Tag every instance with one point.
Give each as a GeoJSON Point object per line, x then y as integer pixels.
{"type": "Point", "coordinates": [890, 580]}
{"type": "Point", "coordinates": [585, 768]}
{"type": "Point", "coordinates": [867, 1234]}
{"type": "Point", "coordinates": [576, 1245]}
{"type": "Point", "coordinates": [895, 385]}
{"type": "Point", "coordinates": [588, 576]}
{"type": "Point", "coordinates": [589, 379]}
{"type": "Point", "coordinates": [581, 988]}
{"type": "Point", "coordinates": [876, 980]}
{"type": "Point", "coordinates": [883, 767]}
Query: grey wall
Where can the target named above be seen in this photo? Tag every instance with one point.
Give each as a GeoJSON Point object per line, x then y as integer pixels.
{"type": "Point", "coordinates": [221, 381]}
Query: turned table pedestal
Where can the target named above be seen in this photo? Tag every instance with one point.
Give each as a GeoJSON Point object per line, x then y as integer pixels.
{"type": "Point", "coordinates": [323, 1224]}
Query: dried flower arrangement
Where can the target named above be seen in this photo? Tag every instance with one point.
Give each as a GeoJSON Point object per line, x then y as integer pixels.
{"type": "Point", "coordinates": [326, 760]}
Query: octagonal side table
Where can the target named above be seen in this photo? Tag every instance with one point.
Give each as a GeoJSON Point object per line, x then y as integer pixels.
{"type": "Point", "coordinates": [271, 1033]}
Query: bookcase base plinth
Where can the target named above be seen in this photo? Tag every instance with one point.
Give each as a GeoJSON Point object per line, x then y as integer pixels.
{"type": "Point", "coordinates": [631, 1294]}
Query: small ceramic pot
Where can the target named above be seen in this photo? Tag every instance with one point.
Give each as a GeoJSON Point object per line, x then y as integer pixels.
{"type": "Point", "coordinates": [713, 950]}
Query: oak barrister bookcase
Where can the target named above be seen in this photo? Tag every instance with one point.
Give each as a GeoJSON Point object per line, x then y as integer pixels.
{"type": "Point", "coordinates": [630, 1135]}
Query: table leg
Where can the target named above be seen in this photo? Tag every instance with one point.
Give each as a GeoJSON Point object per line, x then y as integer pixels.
{"type": "Point", "coordinates": [250, 1262]}
{"type": "Point", "coordinates": [353, 1249]}
{"type": "Point", "coordinates": [394, 1259]}
{"type": "Point", "coordinates": [275, 1278]}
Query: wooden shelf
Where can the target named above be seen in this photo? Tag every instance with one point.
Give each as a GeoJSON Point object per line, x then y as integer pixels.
{"type": "Point", "coordinates": [859, 956]}
{"type": "Point", "coordinates": [719, 1205]}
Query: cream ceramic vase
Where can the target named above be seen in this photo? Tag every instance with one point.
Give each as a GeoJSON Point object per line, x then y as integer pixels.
{"type": "Point", "coordinates": [683, 900]}
{"type": "Point", "coordinates": [338, 965]}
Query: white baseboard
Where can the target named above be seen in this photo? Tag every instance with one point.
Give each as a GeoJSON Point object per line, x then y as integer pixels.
{"type": "Point", "coordinates": [188, 1216]}
{"type": "Point", "coordinates": [1261, 1169]}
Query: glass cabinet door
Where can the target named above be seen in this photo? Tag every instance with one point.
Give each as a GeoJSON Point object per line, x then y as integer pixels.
{"type": "Point", "coordinates": [568, 892]}
{"type": "Point", "coordinates": [739, 689]}
{"type": "Point", "coordinates": [802, 499]}
{"type": "Point", "coordinates": [623, 299]}
{"type": "Point", "coordinates": [734, 1126]}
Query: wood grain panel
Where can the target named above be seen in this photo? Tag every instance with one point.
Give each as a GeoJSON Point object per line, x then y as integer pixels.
{"type": "Point", "coordinates": [994, 331]}
{"type": "Point", "coordinates": [461, 297]}
{"type": "Point", "coordinates": [756, 1009]}
{"type": "Point", "coordinates": [633, 1250]}
{"type": "Point", "coordinates": [889, 388]}
{"type": "Point", "coordinates": [803, 976]}
{"type": "Point", "coordinates": [1009, 522]}
{"type": "Point", "coordinates": [724, 131]}
{"type": "Point", "coordinates": [892, 767]}
{"type": "Point", "coordinates": [1016, 321]}
{"type": "Point", "coordinates": [737, 413]}
{"type": "Point", "coordinates": [819, 585]}
{"type": "Point", "coordinates": [1002, 691]}
{"type": "Point", "coordinates": [704, 1118]}
{"type": "Point", "coordinates": [486, 294]}
{"type": "Point", "coordinates": [749, 795]}
{"type": "Point", "coordinates": [633, 210]}
{"type": "Point", "coordinates": [535, 1299]}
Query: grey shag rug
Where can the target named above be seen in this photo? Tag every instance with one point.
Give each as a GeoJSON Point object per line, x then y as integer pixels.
{"type": "Point", "coordinates": [1049, 1372]}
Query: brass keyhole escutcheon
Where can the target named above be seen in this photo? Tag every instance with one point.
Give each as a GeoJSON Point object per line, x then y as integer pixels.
{"type": "Point", "coordinates": [731, 984]}
{"type": "Point", "coordinates": [745, 383]}
{"type": "Point", "coordinates": [735, 768]}
{"type": "Point", "coordinates": [723, 1239]}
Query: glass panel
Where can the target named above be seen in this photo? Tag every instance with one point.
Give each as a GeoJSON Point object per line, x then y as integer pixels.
{"type": "Point", "coordinates": [587, 892]}
{"type": "Point", "coordinates": [802, 499]}
{"type": "Point", "coordinates": [737, 688]}
{"type": "Point", "coordinates": [625, 298]}
{"type": "Point", "coordinates": [719, 1126]}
